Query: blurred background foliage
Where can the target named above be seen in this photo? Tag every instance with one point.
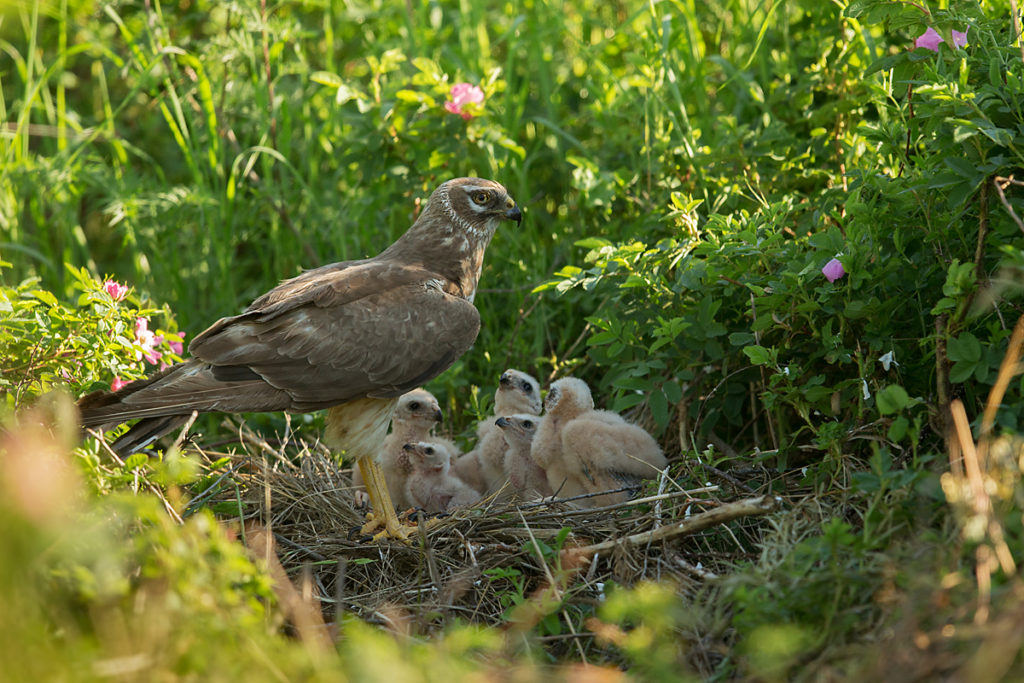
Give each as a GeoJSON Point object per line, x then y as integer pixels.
{"type": "Point", "coordinates": [686, 169]}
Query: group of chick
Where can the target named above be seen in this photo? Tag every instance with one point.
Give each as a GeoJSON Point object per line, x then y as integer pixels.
{"type": "Point", "coordinates": [569, 452]}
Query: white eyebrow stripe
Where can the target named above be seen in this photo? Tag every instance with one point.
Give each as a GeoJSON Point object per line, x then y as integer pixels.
{"type": "Point", "coordinates": [475, 188]}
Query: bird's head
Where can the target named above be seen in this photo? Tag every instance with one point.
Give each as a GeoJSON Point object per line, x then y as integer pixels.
{"type": "Point", "coordinates": [417, 406]}
{"type": "Point", "coordinates": [427, 457]}
{"type": "Point", "coordinates": [518, 426]}
{"type": "Point", "coordinates": [518, 391]}
{"type": "Point", "coordinates": [569, 397]}
{"type": "Point", "coordinates": [474, 205]}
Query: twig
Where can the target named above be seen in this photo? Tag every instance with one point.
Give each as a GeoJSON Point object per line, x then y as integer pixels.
{"type": "Point", "coordinates": [149, 485]}
{"type": "Point", "coordinates": [1015, 18]}
{"type": "Point", "coordinates": [1008, 369]}
{"type": "Point", "coordinates": [1001, 184]}
{"type": "Point", "coordinates": [339, 591]}
{"type": "Point", "coordinates": [942, 386]}
{"type": "Point", "coordinates": [729, 511]}
{"type": "Point", "coordinates": [627, 503]}
{"type": "Point", "coordinates": [428, 551]}
{"type": "Point", "coordinates": [184, 430]}
{"type": "Point", "coordinates": [295, 546]}
{"type": "Point", "coordinates": [309, 622]}
{"type": "Point", "coordinates": [699, 572]}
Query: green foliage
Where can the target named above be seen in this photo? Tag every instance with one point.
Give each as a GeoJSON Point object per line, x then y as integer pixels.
{"type": "Point", "coordinates": [685, 174]}
{"type": "Point", "coordinates": [79, 346]}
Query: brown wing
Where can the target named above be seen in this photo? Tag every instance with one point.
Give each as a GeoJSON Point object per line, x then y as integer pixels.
{"type": "Point", "coordinates": [369, 329]}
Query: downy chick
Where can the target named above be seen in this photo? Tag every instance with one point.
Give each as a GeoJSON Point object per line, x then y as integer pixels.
{"type": "Point", "coordinates": [415, 415]}
{"type": "Point", "coordinates": [527, 478]}
{"type": "Point", "coordinates": [584, 450]}
{"type": "Point", "coordinates": [431, 485]}
{"type": "Point", "coordinates": [517, 393]}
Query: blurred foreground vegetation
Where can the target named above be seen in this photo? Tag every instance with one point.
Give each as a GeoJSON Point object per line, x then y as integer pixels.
{"type": "Point", "coordinates": [687, 170]}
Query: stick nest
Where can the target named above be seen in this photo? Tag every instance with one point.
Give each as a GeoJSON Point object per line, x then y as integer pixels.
{"type": "Point", "coordinates": [478, 563]}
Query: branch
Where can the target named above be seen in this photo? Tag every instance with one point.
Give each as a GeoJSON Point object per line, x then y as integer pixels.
{"type": "Point", "coordinates": [748, 507]}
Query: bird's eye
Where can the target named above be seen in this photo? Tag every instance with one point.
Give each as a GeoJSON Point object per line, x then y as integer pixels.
{"type": "Point", "coordinates": [527, 424]}
{"type": "Point", "coordinates": [481, 197]}
{"type": "Point", "coordinates": [428, 451]}
{"type": "Point", "coordinates": [526, 387]}
{"type": "Point", "coordinates": [414, 406]}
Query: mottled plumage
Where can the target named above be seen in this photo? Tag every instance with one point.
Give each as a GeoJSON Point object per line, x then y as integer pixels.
{"type": "Point", "coordinates": [351, 337]}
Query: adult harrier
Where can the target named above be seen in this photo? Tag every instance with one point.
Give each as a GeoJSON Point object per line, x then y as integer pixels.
{"type": "Point", "coordinates": [350, 337]}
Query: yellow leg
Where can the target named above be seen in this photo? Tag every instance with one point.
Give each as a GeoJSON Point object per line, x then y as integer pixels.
{"type": "Point", "coordinates": [382, 509]}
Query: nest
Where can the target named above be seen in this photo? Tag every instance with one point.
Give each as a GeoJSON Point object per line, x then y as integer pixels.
{"type": "Point", "coordinates": [487, 563]}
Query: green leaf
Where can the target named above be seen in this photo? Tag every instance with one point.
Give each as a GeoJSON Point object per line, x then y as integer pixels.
{"type": "Point", "coordinates": [45, 296]}
{"type": "Point", "coordinates": [966, 347]}
{"type": "Point", "coordinates": [326, 78]}
{"type": "Point", "coordinates": [758, 355]}
{"type": "Point", "coordinates": [741, 338]}
{"type": "Point", "coordinates": [659, 408]}
{"type": "Point", "coordinates": [892, 399]}
{"type": "Point", "coordinates": [592, 243]}
{"type": "Point", "coordinates": [962, 371]}
{"type": "Point", "coordinates": [673, 392]}
{"type": "Point", "coordinates": [898, 428]}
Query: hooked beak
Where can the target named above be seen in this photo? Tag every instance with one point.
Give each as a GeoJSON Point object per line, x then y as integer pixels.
{"type": "Point", "coordinates": [514, 214]}
{"type": "Point", "coordinates": [505, 379]}
{"type": "Point", "coordinates": [502, 422]}
{"type": "Point", "coordinates": [438, 416]}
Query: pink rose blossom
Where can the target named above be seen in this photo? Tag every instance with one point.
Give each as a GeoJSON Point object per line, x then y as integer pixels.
{"type": "Point", "coordinates": [930, 39]}
{"type": "Point", "coordinates": [463, 94]}
{"type": "Point", "coordinates": [176, 343]}
{"type": "Point", "coordinates": [117, 384]}
{"type": "Point", "coordinates": [145, 338]}
{"type": "Point", "coordinates": [115, 290]}
{"type": "Point", "coordinates": [833, 270]}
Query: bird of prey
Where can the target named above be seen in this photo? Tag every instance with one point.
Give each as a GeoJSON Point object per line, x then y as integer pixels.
{"type": "Point", "coordinates": [584, 450]}
{"type": "Point", "coordinates": [431, 485]}
{"type": "Point", "coordinates": [415, 415]}
{"type": "Point", "coordinates": [517, 392]}
{"type": "Point", "coordinates": [524, 474]}
{"type": "Point", "coordinates": [350, 337]}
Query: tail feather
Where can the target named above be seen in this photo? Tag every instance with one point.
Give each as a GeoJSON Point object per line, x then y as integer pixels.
{"type": "Point", "coordinates": [165, 401]}
{"type": "Point", "coordinates": [144, 432]}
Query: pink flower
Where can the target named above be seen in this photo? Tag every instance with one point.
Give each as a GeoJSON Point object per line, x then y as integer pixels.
{"type": "Point", "coordinates": [176, 343]}
{"type": "Point", "coordinates": [115, 290]}
{"type": "Point", "coordinates": [930, 39]}
{"type": "Point", "coordinates": [463, 94]}
{"type": "Point", "coordinates": [117, 384]}
{"type": "Point", "coordinates": [145, 338]}
{"type": "Point", "coordinates": [833, 270]}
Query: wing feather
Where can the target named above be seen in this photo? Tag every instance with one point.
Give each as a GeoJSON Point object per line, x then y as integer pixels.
{"type": "Point", "coordinates": [353, 325]}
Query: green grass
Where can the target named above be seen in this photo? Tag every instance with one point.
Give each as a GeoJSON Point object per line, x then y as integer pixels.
{"type": "Point", "coordinates": [686, 169]}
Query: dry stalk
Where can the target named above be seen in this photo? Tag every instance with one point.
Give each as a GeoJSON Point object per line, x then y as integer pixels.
{"type": "Point", "coordinates": [727, 512]}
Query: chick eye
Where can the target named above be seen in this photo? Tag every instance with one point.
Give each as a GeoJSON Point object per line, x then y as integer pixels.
{"type": "Point", "coordinates": [428, 451]}
{"type": "Point", "coordinates": [414, 406]}
{"type": "Point", "coordinates": [527, 424]}
{"type": "Point", "coordinates": [526, 387]}
{"type": "Point", "coordinates": [481, 197]}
